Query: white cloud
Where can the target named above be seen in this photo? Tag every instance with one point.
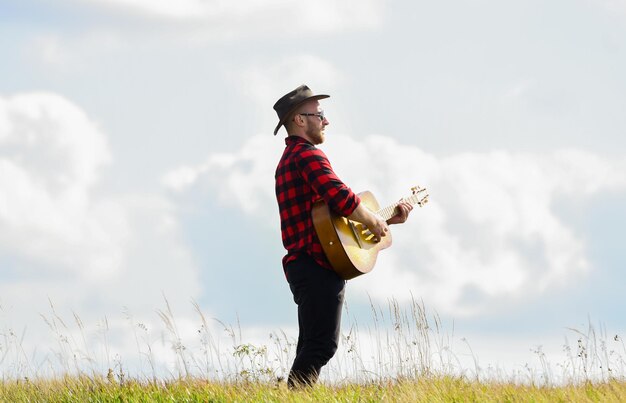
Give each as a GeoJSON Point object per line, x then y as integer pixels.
{"type": "Point", "coordinates": [51, 51]}
{"type": "Point", "coordinates": [64, 239]}
{"type": "Point", "coordinates": [491, 231]}
{"type": "Point", "coordinates": [51, 155]}
{"type": "Point", "coordinates": [77, 52]}
{"type": "Point", "coordinates": [62, 231]}
{"type": "Point", "coordinates": [228, 18]}
{"type": "Point", "coordinates": [259, 81]}
{"type": "Point", "coordinates": [519, 89]}
{"type": "Point", "coordinates": [190, 9]}
{"type": "Point", "coordinates": [614, 6]}
{"type": "Point", "coordinates": [241, 179]}
{"type": "Point", "coordinates": [263, 82]}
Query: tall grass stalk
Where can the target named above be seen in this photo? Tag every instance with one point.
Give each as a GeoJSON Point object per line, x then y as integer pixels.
{"type": "Point", "coordinates": [401, 343]}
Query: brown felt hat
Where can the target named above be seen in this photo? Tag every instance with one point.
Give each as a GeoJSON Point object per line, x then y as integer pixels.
{"type": "Point", "coordinates": [289, 102]}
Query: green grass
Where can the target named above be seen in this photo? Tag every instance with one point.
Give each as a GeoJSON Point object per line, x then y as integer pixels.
{"type": "Point", "coordinates": [405, 355]}
{"type": "Point", "coordinates": [442, 389]}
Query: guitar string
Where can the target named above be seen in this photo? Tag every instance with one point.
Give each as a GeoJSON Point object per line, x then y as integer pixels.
{"type": "Point", "coordinates": [387, 212]}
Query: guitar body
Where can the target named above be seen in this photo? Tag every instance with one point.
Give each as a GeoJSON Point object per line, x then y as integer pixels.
{"type": "Point", "coordinates": [349, 247]}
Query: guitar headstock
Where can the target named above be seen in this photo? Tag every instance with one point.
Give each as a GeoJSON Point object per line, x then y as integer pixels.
{"type": "Point", "coordinates": [419, 196]}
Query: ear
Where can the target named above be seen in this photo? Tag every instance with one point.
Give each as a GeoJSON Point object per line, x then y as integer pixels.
{"type": "Point", "coordinates": [298, 119]}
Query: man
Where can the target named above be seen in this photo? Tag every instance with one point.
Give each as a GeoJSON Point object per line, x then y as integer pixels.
{"type": "Point", "coordinates": [304, 175]}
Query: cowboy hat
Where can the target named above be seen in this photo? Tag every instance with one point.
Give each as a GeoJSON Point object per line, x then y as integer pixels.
{"type": "Point", "coordinates": [289, 102]}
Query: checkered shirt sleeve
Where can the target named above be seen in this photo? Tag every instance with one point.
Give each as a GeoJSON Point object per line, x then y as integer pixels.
{"type": "Point", "coordinates": [303, 176]}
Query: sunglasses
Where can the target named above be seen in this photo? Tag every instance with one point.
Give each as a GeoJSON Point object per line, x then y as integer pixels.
{"type": "Point", "coordinates": [319, 115]}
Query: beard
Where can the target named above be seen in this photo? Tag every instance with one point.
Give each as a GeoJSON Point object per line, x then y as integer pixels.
{"type": "Point", "coordinates": [316, 135]}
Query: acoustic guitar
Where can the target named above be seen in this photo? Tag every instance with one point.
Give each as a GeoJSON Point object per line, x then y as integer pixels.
{"type": "Point", "coordinates": [350, 246]}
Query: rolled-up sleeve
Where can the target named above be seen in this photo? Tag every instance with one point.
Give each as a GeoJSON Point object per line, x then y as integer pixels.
{"type": "Point", "coordinates": [318, 173]}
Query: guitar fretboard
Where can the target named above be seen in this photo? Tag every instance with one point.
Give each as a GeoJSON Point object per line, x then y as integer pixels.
{"type": "Point", "coordinates": [387, 212]}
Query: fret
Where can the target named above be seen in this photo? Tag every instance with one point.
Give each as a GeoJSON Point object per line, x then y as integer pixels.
{"type": "Point", "coordinates": [416, 198]}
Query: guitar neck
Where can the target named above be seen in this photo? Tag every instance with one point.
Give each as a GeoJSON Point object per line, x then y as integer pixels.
{"type": "Point", "coordinates": [387, 212]}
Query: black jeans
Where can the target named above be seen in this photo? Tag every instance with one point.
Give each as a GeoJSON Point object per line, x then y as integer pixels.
{"type": "Point", "coordinates": [319, 294]}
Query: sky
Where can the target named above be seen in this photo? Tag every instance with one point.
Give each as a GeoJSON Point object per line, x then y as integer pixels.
{"type": "Point", "coordinates": [137, 162]}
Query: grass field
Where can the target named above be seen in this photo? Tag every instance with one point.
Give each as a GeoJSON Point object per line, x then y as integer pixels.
{"type": "Point", "coordinates": [404, 355]}
{"type": "Point", "coordinates": [444, 389]}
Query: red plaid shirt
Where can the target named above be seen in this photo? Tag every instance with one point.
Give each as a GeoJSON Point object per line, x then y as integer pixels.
{"type": "Point", "coordinates": [303, 176]}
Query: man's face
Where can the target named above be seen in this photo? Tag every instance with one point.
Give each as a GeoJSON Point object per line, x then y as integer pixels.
{"type": "Point", "coordinates": [315, 121]}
